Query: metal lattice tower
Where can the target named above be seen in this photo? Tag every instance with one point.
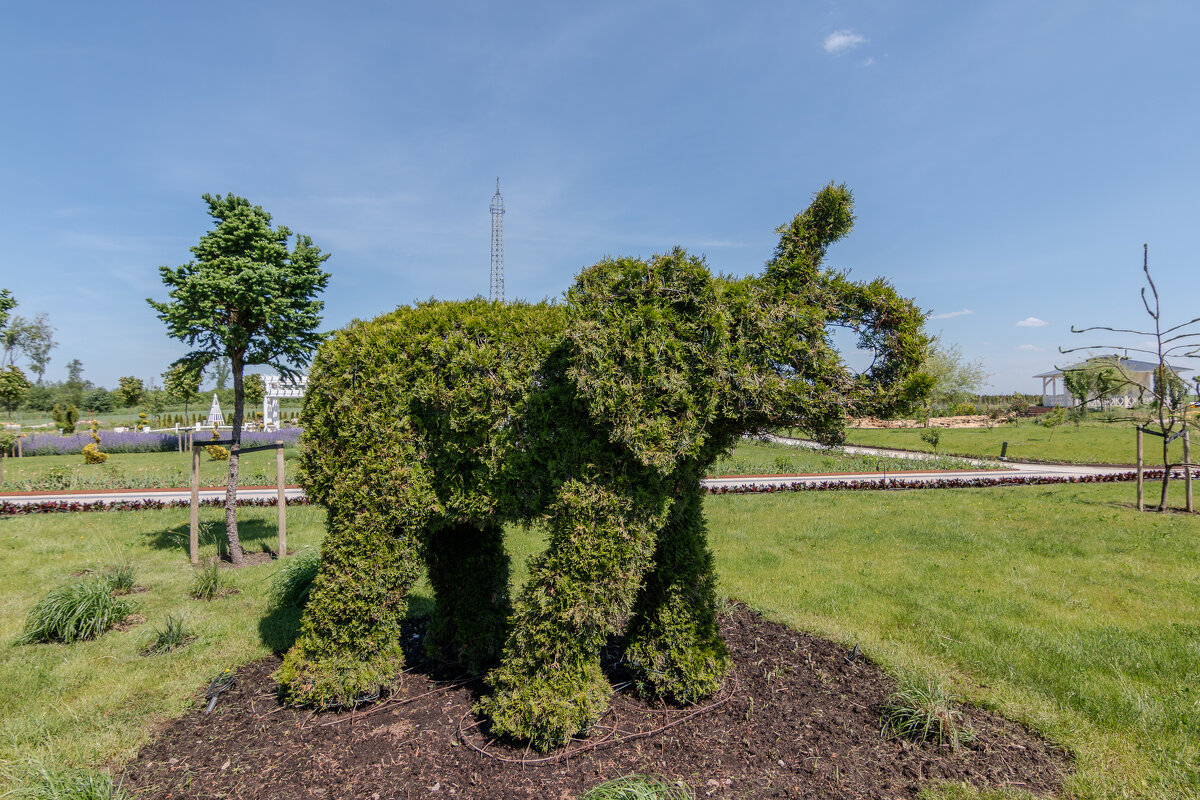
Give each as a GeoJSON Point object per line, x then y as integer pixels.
{"type": "Point", "coordinates": [497, 290]}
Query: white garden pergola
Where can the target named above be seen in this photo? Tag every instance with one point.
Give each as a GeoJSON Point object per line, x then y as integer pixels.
{"type": "Point", "coordinates": [277, 388]}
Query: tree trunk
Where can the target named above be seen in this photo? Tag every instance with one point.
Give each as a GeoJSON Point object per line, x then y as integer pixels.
{"type": "Point", "coordinates": [231, 531]}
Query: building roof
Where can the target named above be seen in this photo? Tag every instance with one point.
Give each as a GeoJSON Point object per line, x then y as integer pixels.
{"type": "Point", "coordinates": [1129, 364]}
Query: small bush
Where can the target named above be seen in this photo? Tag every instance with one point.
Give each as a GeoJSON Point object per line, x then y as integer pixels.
{"type": "Point", "coordinates": [171, 636]}
{"type": "Point", "coordinates": [932, 436]}
{"type": "Point", "coordinates": [638, 787]}
{"type": "Point", "coordinates": [210, 583]}
{"type": "Point", "coordinates": [964, 410]}
{"type": "Point", "coordinates": [291, 584]}
{"type": "Point", "coordinates": [217, 453]}
{"type": "Point", "coordinates": [924, 711]}
{"type": "Point", "coordinates": [40, 782]}
{"type": "Point", "coordinates": [80, 610]}
{"type": "Point", "coordinates": [92, 454]}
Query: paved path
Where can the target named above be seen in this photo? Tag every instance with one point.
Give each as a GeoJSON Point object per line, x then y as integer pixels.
{"type": "Point", "coordinates": [109, 497]}
{"type": "Point", "coordinates": [994, 471]}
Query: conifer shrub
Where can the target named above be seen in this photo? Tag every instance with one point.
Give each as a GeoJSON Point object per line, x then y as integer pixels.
{"type": "Point", "coordinates": [91, 451]}
{"type": "Point", "coordinates": [429, 428]}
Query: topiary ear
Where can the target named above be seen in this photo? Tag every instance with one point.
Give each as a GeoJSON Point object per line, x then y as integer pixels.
{"type": "Point", "coordinates": [803, 241]}
{"type": "Point", "coordinates": [646, 338]}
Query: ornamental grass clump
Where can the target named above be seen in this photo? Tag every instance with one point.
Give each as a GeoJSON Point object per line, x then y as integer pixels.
{"type": "Point", "coordinates": [290, 586]}
{"type": "Point", "coordinates": [638, 787]}
{"type": "Point", "coordinates": [209, 582]}
{"type": "Point", "coordinates": [76, 611]}
{"type": "Point", "coordinates": [924, 711]}
{"type": "Point", "coordinates": [171, 636]}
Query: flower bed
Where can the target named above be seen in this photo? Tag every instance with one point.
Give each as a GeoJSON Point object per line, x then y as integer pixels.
{"type": "Point", "coordinates": [54, 444]}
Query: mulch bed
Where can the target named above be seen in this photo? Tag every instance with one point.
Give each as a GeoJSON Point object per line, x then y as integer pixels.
{"type": "Point", "coordinates": [799, 718]}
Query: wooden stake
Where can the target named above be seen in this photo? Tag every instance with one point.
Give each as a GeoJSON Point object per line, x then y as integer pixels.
{"type": "Point", "coordinates": [194, 529]}
{"type": "Point", "coordinates": [1187, 470]}
{"type": "Point", "coordinates": [1140, 504]}
{"type": "Point", "coordinates": [282, 500]}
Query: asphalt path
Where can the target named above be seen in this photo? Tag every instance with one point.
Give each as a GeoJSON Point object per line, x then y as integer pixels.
{"type": "Point", "coordinates": [991, 471]}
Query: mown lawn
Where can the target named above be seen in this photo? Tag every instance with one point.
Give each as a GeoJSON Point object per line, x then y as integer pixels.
{"type": "Point", "coordinates": [140, 471]}
{"type": "Point", "coordinates": [1058, 606]}
{"type": "Point", "coordinates": [1089, 443]}
{"type": "Point", "coordinates": [153, 470]}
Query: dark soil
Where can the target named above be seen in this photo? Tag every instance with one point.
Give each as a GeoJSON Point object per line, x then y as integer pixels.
{"type": "Point", "coordinates": [798, 718]}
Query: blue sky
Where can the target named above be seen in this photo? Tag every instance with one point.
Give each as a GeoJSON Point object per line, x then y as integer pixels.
{"type": "Point", "coordinates": [1008, 159]}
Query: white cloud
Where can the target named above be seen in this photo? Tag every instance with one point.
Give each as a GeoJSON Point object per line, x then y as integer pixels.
{"type": "Point", "coordinates": [868, 62]}
{"type": "Point", "coordinates": [838, 41]}
{"type": "Point", "coordinates": [1029, 348]}
{"type": "Point", "coordinates": [952, 314]}
{"type": "Point", "coordinates": [1032, 322]}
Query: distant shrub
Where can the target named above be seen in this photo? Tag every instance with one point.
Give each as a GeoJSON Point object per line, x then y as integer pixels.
{"type": "Point", "coordinates": [65, 418]}
{"type": "Point", "coordinates": [76, 611]}
{"type": "Point", "coordinates": [92, 454]}
{"type": "Point", "coordinates": [932, 437]}
{"type": "Point", "coordinates": [964, 410]}
{"type": "Point", "coordinates": [217, 453]}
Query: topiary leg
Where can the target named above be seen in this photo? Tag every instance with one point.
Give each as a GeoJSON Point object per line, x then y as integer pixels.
{"type": "Point", "coordinates": [675, 649]}
{"type": "Point", "coordinates": [549, 685]}
{"type": "Point", "coordinates": [468, 568]}
{"type": "Point", "coordinates": [350, 636]}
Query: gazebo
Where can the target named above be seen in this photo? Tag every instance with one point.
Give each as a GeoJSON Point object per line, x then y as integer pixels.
{"type": "Point", "coordinates": [1138, 376]}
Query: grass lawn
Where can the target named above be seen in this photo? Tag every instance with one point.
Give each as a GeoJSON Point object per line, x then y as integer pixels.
{"type": "Point", "coordinates": [1058, 606]}
{"type": "Point", "coordinates": [768, 458]}
{"type": "Point", "coordinates": [140, 470]}
{"type": "Point", "coordinates": [1090, 443]}
{"type": "Point", "coordinates": [153, 470]}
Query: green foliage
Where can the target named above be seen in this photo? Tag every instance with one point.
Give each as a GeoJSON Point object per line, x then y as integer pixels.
{"type": "Point", "coordinates": [98, 400]}
{"type": "Point", "coordinates": [953, 377]}
{"type": "Point", "coordinates": [181, 382]}
{"type": "Point", "coordinates": [79, 610]}
{"type": "Point", "coordinates": [208, 581]}
{"type": "Point", "coordinates": [430, 427]}
{"type": "Point", "coordinates": [292, 583]}
{"type": "Point", "coordinates": [638, 787]}
{"type": "Point", "coordinates": [171, 636]}
{"type": "Point", "coordinates": [254, 388]}
{"type": "Point", "coordinates": [13, 388]}
{"type": "Point", "coordinates": [37, 781]}
{"type": "Point", "coordinates": [931, 437]}
{"type": "Point", "coordinates": [248, 298]}
{"type": "Point", "coordinates": [65, 418]}
{"type": "Point", "coordinates": [119, 577]}
{"type": "Point", "coordinates": [924, 711]}
{"type": "Point", "coordinates": [1053, 419]}
{"type": "Point", "coordinates": [1095, 379]}
{"type": "Point", "coordinates": [129, 391]}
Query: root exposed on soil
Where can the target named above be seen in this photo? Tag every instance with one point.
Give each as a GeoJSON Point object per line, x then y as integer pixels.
{"type": "Point", "coordinates": [798, 719]}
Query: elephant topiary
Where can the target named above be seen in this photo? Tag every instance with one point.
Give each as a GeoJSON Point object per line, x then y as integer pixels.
{"type": "Point", "coordinates": [429, 428]}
